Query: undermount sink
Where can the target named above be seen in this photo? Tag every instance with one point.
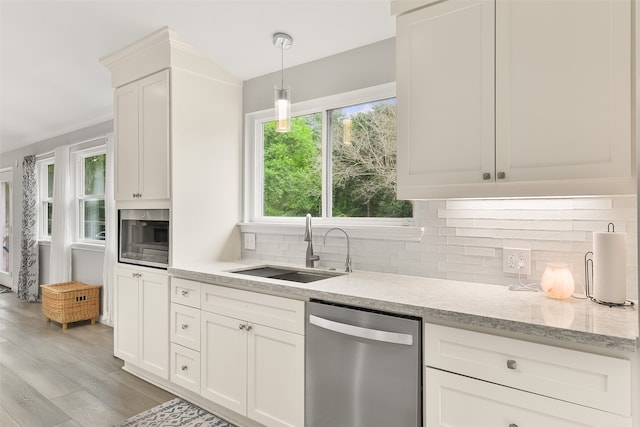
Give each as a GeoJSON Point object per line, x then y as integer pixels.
{"type": "Point", "coordinates": [291, 275]}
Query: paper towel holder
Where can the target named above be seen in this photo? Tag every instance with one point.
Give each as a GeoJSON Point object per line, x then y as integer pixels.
{"type": "Point", "coordinates": [588, 277]}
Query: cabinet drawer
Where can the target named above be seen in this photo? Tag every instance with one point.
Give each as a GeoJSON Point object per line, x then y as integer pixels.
{"type": "Point", "coordinates": [185, 292]}
{"type": "Point", "coordinates": [267, 310]}
{"type": "Point", "coordinates": [185, 326]}
{"type": "Point", "coordinates": [185, 367]}
{"type": "Point", "coordinates": [592, 380]}
{"type": "Point", "coordinates": [456, 401]}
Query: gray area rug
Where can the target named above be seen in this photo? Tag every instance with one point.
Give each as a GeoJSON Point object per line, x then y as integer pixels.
{"type": "Point", "coordinates": [175, 412]}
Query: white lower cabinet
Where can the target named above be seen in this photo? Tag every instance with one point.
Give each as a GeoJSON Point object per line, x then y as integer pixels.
{"type": "Point", "coordinates": [141, 321]}
{"type": "Point", "coordinates": [457, 401]}
{"type": "Point", "coordinates": [185, 367]}
{"type": "Point", "coordinates": [249, 365]}
{"type": "Point", "coordinates": [508, 382]}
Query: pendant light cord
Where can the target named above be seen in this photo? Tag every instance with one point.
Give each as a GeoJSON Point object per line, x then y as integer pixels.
{"type": "Point", "coordinates": [282, 68]}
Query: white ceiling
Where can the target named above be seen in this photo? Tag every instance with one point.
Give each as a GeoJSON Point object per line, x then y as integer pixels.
{"type": "Point", "coordinates": [52, 82]}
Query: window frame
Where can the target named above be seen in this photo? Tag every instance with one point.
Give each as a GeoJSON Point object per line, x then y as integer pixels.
{"type": "Point", "coordinates": [254, 166]}
{"type": "Point", "coordinates": [78, 159]}
{"type": "Point", "coordinates": [42, 179]}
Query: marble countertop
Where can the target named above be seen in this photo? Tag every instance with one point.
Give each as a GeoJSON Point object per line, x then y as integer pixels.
{"type": "Point", "coordinates": [489, 306]}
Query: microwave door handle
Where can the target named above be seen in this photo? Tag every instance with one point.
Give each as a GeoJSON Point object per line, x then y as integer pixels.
{"type": "Point", "coordinates": [357, 331]}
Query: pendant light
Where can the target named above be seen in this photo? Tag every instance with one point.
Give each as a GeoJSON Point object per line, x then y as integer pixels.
{"type": "Point", "coordinates": [282, 95]}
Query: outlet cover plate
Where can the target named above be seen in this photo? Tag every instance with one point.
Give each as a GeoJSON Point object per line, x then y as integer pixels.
{"type": "Point", "coordinates": [512, 257]}
{"type": "Point", "coordinates": [249, 241]}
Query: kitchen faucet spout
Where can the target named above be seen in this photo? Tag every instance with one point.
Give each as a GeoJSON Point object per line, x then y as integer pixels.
{"type": "Point", "coordinates": [310, 258]}
{"type": "Point", "coordinates": [347, 263]}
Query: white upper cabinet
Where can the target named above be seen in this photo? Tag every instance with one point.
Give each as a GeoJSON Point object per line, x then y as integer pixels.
{"type": "Point", "coordinates": [445, 84]}
{"type": "Point", "coordinates": [142, 139]}
{"type": "Point", "coordinates": [563, 91]}
{"type": "Point", "coordinates": [515, 98]}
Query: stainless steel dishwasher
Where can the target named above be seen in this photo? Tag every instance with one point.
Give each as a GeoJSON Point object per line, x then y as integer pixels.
{"type": "Point", "coordinates": [363, 368]}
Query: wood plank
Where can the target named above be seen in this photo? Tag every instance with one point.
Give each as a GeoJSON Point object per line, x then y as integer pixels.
{"type": "Point", "coordinates": [24, 404]}
{"type": "Point", "coordinates": [49, 382]}
{"type": "Point", "coordinates": [87, 410]}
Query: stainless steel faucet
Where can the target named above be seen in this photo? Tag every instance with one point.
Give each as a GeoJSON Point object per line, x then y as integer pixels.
{"type": "Point", "coordinates": [308, 237]}
{"type": "Point", "coordinates": [347, 263]}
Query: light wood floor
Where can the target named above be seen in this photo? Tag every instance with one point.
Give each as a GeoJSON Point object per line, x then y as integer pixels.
{"type": "Point", "coordinates": [51, 377]}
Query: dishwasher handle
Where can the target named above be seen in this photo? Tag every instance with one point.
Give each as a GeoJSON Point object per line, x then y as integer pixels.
{"type": "Point", "coordinates": [357, 331]}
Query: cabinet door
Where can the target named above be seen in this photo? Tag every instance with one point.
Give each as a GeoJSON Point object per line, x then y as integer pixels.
{"type": "Point", "coordinates": [445, 93]}
{"type": "Point", "coordinates": [223, 352]}
{"type": "Point", "coordinates": [153, 178]}
{"type": "Point", "coordinates": [563, 91]}
{"type": "Point", "coordinates": [154, 323]}
{"type": "Point", "coordinates": [126, 141]}
{"type": "Point", "coordinates": [275, 384]}
{"type": "Point", "coordinates": [457, 401]}
{"type": "Point", "coordinates": [126, 317]}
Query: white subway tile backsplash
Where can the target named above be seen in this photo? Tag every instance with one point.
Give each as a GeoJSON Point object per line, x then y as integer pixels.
{"type": "Point", "coordinates": [463, 239]}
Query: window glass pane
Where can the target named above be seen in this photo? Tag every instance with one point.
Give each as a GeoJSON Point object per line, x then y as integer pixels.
{"type": "Point", "coordinates": [292, 168]}
{"type": "Point", "coordinates": [49, 216]}
{"type": "Point", "coordinates": [363, 147]}
{"type": "Point", "coordinates": [93, 226]}
{"type": "Point", "coordinates": [94, 167]}
{"type": "Point", "coordinates": [50, 181]}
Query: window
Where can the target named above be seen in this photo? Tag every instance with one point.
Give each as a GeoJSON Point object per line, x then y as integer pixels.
{"type": "Point", "coordinates": [338, 162]}
{"type": "Point", "coordinates": [45, 170]}
{"type": "Point", "coordinates": [90, 166]}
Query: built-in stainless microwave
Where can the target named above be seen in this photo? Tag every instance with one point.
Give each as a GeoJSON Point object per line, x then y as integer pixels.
{"type": "Point", "coordinates": [143, 237]}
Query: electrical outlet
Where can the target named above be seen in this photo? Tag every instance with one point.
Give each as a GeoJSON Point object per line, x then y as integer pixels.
{"type": "Point", "coordinates": [514, 258]}
{"type": "Point", "coordinates": [249, 241]}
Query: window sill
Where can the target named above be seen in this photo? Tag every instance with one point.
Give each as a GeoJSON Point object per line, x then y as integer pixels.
{"type": "Point", "coordinates": [95, 247]}
{"type": "Point", "coordinates": [373, 232]}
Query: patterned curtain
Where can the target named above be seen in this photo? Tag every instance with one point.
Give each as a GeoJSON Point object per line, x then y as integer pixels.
{"type": "Point", "coordinates": [28, 276]}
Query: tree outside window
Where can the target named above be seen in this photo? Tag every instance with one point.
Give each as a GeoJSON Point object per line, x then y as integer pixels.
{"type": "Point", "coordinates": [360, 172]}
{"type": "Point", "coordinates": [92, 169]}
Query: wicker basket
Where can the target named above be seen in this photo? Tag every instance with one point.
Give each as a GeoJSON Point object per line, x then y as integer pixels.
{"type": "Point", "coordinates": [71, 302]}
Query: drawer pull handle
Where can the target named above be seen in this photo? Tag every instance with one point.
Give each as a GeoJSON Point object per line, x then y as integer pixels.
{"type": "Point", "coordinates": [185, 293]}
{"type": "Point", "coordinates": [513, 425]}
{"type": "Point", "coordinates": [511, 364]}
{"type": "Point", "coordinates": [185, 326]}
{"type": "Point", "coordinates": [242, 326]}
{"type": "Point", "coordinates": [185, 368]}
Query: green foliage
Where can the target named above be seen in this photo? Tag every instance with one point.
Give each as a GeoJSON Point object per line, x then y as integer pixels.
{"type": "Point", "coordinates": [292, 168]}
{"type": "Point", "coordinates": [364, 164]}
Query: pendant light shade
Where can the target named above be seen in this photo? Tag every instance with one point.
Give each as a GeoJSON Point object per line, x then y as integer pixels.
{"type": "Point", "coordinates": [282, 96]}
{"type": "Point", "coordinates": [283, 109]}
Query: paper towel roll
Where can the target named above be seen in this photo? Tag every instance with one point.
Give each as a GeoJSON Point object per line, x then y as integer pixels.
{"type": "Point", "coordinates": [610, 267]}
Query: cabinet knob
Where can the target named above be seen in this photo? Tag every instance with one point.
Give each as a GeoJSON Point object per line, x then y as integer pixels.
{"type": "Point", "coordinates": [242, 326]}
{"type": "Point", "coordinates": [185, 326]}
{"type": "Point", "coordinates": [249, 328]}
{"type": "Point", "coordinates": [511, 364]}
{"type": "Point", "coordinates": [501, 175]}
{"type": "Point", "coordinates": [185, 368]}
{"type": "Point", "coordinates": [486, 176]}
{"type": "Point", "coordinates": [185, 293]}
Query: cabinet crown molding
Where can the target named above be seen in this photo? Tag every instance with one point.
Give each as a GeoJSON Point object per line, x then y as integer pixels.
{"type": "Point", "coordinates": [160, 50]}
